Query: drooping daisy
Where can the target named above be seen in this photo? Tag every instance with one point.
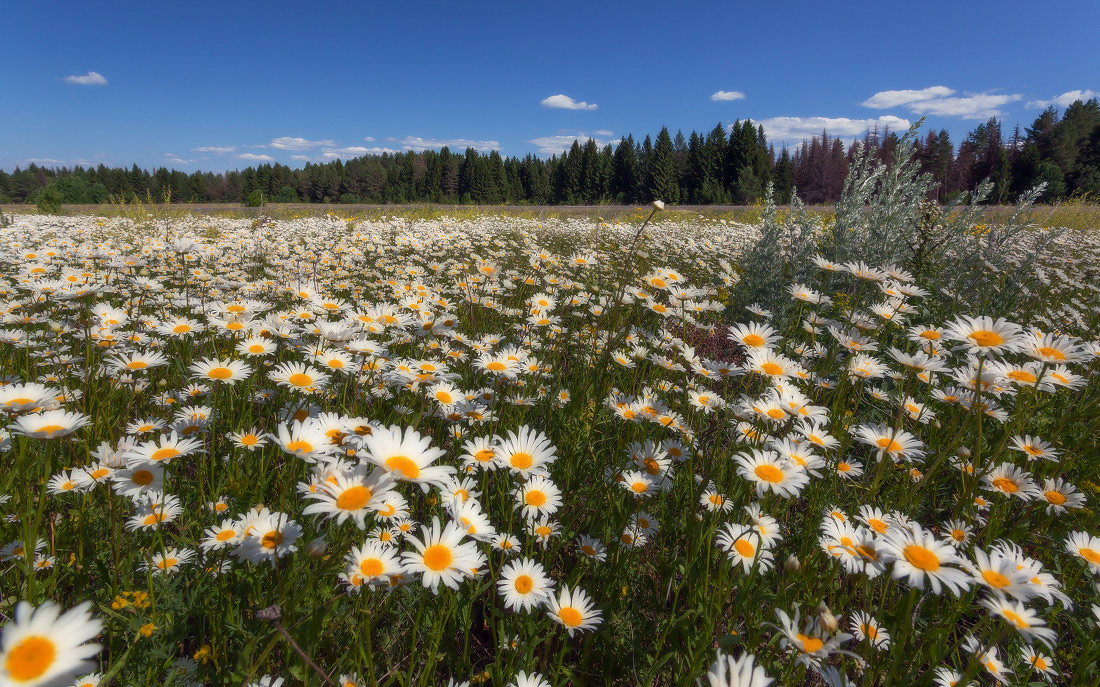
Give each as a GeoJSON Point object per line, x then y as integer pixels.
{"type": "Point", "coordinates": [727, 671]}
{"type": "Point", "coordinates": [896, 443]}
{"type": "Point", "coordinates": [163, 450]}
{"type": "Point", "coordinates": [808, 641]}
{"type": "Point", "coordinates": [744, 546]}
{"type": "Point", "coordinates": [591, 547]}
{"type": "Point", "coordinates": [43, 646]}
{"type": "Point", "coordinates": [770, 473]}
{"type": "Point", "coordinates": [16, 398]}
{"type": "Point", "coordinates": [51, 424]}
{"type": "Point", "coordinates": [1022, 619]}
{"type": "Point", "coordinates": [407, 455]}
{"type": "Point", "coordinates": [917, 556]}
{"type": "Point", "coordinates": [1087, 547]}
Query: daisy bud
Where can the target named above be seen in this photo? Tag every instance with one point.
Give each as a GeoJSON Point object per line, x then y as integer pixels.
{"type": "Point", "coordinates": [828, 620]}
{"type": "Point", "coordinates": [963, 452]}
{"type": "Point", "coordinates": [792, 564]}
{"type": "Point", "coordinates": [162, 383]}
{"type": "Point", "coordinates": [55, 327]}
{"type": "Point", "coordinates": [317, 547]}
{"type": "Point", "coordinates": [937, 424]}
{"type": "Point", "coordinates": [659, 204]}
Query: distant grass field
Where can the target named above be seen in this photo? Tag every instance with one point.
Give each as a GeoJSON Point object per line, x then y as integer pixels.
{"type": "Point", "coordinates": [1071, 214]}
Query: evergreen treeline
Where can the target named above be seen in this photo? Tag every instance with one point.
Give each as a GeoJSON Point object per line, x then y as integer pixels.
{"type": "Point", "coordinates": [722, 166]}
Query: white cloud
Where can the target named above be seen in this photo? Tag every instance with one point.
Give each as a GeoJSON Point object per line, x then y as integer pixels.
{"type": "Point", "coordinates": [1065, 99]}
{"type": "Point", "coordinates": [369, 139]}
{"type": "Point", "coordinates": [44, 161]}
{"type": "Point", "coordinates": [793, 130]}
{"type": "Point", "coordinates": [89, 79]}
{"type": "Point", "coordinates": [300, 158]}
{"type": "Point", "coordinates": [217, 150]}
{"type": "Point", "coordinates": [254, 157]}
{"type": "Point", "coordinates": [559, 143]}
{"type": "Point", "coordinates": [294, 143]}
{"type": "Point", "coordinates": [719, 96]}
{"type": "Point", "coordinates": [352, 151]}
{"type": "Point", "coordinates": [178, 161]}
{"type": "Point", "coordinates": [418, 144]}
{"type": "Point", "coordinates": [564, 102]}
{"type": "Point", "coordinates": [885, 99]}
{"type": "Point", "coordinates": [942, 101]}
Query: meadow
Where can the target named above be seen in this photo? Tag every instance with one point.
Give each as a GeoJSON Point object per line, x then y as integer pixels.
{"type": "Point", "coordinates": [855, 447]}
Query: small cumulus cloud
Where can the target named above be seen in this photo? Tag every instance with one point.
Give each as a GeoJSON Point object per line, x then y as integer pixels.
{"type": "Point", "coordinates": [885, 99]}
{"type": "Point", "coordinates": [791, 130]}
{"type": "Point", "coordinates": [942, 101]}
{"type": "Point", "coordinates": [295, 143]}
{"type": "Point", "coordinates": [300, 158]}
{"type": "Point", "coordinates": [564, 102]}
{"type": "Point", "coordinates": [720, 96]}
{"type": "Point", "coordinates": [417, 144]}
{"type": "Point", "coordinates": [216, 150]}
{"type": "Point", "coordinates": [1066, 99]}
{"type": "Point", "coordinates": [44, 161]}
{"type": "Point", "coordinates": [178, 161]}
{"type": "Point", "coordinates": [369, 139]}
{"type": "Point", "coordinates": [255, 158]}
{"type": "Point", "coordinates": [89, 79]}
{"type": "Point", "coordinates": [563, 141]}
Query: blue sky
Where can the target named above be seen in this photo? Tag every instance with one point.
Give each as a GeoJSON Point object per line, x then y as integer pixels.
{"type": "Point", "coordinates": [219, 85]}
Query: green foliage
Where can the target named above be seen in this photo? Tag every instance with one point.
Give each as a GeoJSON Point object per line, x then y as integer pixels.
{"type": "Point", "coordinates": [49, 199]}
{"type": "Point", "coordinates": [255, 199]}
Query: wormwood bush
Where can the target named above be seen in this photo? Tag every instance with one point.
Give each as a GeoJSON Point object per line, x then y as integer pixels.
{"type": "Point", "coordinates": [884, 218]}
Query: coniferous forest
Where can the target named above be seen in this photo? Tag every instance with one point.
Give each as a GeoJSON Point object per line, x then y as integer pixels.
{"type": "Point", "coordinates": [726, 165]}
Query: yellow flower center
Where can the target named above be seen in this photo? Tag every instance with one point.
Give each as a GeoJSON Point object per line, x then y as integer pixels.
{"type": "Point", "coordinates": [404, 465]}
{"type": "Point", "coordinates": [984, 337]}
{"type": "Point", "coordinates": [371, 567]}
{"type": "Point", "coordinates": [809, 644]}
{"type": "Point", "coordinates": [921, 558]}
{"type": "Point", "coordinates": [437, 557]}
{"type": "Point", "coordinates": [353, 498]}
{"type": "Point", "coordinates": [30, 658]}
{"type": "Point", "coordinates": [164, 454]}
{"type": "Point", "coordinates": [1005, 484]}
{"type": "Point", "coordinates": [524, 584]}
{"type": "Point", "coordinates": [570, 616]}
{"type": "Point", "coordinates": [300, 379]}
{"type": "Point", "coordinates": [754, 340]}
{"type": "Point", "coordinates": [995, 579]}
{"type": "Point", "coordinates": [271, 539]}
{"type": "Point", "coordinates": [771, 369]}
{"type": "Point", "coordinates": [745, 548]}
{"type": "Point", "coordinates": [220, 373]}
{"type": "Point", "coordinates": [769, 473]}
{"type": "Point", "coordinates": [534, 498]}
{"type": "Point", "coordinates": [521, 460]}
